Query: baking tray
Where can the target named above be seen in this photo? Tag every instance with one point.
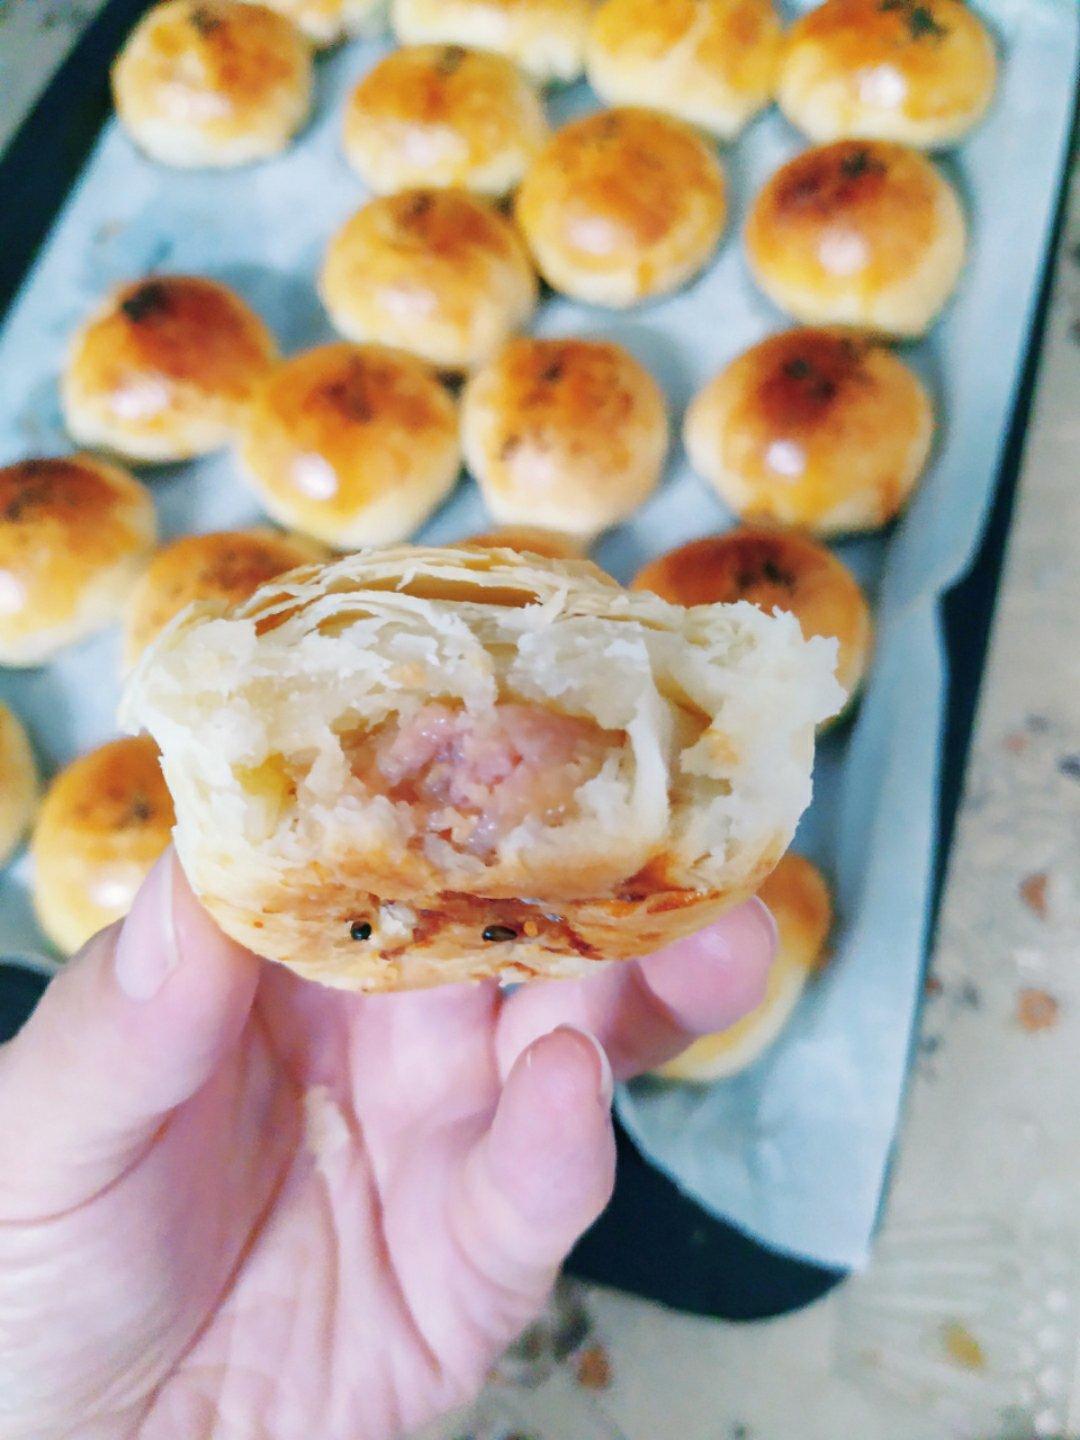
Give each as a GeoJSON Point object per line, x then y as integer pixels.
{"type": "Point", "coordinates": [653, 1240]}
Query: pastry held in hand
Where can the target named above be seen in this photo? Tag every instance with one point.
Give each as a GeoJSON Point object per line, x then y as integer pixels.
{"type": "Point", "coordinates": [419, 766]}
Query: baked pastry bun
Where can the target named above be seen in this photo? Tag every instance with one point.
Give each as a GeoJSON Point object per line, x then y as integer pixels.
{"type": "Point", "coordinates": [227, 565]}
{"type": "Point", "coordinates": [18, 783]}
{"type": "Point", "coordinates": [104, 821]}
{"type": "Point", "coordinates": [441, 115]}
{"type": "Point", "coordinates": [711, 62]}
{"type": "Point", "coordinates": [351, 444]}
{"type": "Point", "coordinates": [545, 37]}
{"type": "Point", "coordinates": [798, 896]}
{"type": "Point", "coordinates": [859, 233]}
{"type": "Point", "coordinates": [164, 368]}
{"type": "Point", "coordinates": [813, 428]}
{"type": "Point", "coordinates": [75, 534]}
{"type": "Point", "coordinates": [326, 22]}
{"type": "Point", "coordinates": [919, 73]}
{"type": "Point", "coordinates": [566, 434]}
{"type": "Point", "coordinates": [212, 82]}
{"type": "Point", "coordinates": [422, 766]}
{"type": "Point", "coordinates": [775, 570]}
{"type": "Point", "coordinates": [439, 273]}
{"type": "Point", "coordinates": [622, 205]}
{"type": "Point", "coordinates": [528, 540]}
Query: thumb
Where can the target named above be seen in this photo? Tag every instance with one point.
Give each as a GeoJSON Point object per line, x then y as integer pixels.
{"type": "Point", "coordinates": [133, 1026]}
{"type": "Point", "coordinates": [544, 1170]}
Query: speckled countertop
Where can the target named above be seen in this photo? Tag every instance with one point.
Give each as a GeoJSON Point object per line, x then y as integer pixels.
{"type": "Point", "coordinates": [967, 1323]}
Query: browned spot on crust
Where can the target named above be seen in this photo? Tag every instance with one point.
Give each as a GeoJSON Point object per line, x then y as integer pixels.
{"type": "Point", "coordinates": [1033, 893]}
{"type": "Point", "coordinates": [1036, 1010]}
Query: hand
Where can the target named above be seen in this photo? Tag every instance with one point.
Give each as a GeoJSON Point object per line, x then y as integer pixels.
{"type": "Point", "coordinates": [237, 1205]}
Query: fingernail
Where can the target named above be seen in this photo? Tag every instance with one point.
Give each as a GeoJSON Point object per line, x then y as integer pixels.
{"type": "Point", "coordinates": [146, 951]}
{"type": "Point", "coordinates": [767, 918]}
{"type": "Point", "coordinates": [605, 1080]}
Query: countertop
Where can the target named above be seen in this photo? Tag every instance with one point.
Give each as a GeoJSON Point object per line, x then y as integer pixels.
{"type": "Point", "coordinates": [966, 1323]}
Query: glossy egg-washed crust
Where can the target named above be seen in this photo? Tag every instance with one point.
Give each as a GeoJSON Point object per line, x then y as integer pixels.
{"type": "Point", "coordinates": [351, 444]}
{"type": "Point", "coordinates": [813, 428]}
{"type": "Point", "coordinates": [622, 205]}
{"type": "Point", "coordinates": [918, 71]}
{"type": "Point", "coordinates": [443, 115]}
{"type": "Point", "coordinates": [859, 232]}
{"type": "Point", "coordinates": [164, 368]}
{"type": "Point", "coordinates": [325, 22]}
{"type": "Point", "coordinates": [711, 62]}
{"type": "Point", "coordinates": [580, 910]}
{"type": "Point", "coordinates": [227, 565]}
{"type": "Point", "coordinates": [104, 820]}
{"type": "Point", "coordinates": [212, 82]}
{"type": "Point", "coordinates": [74, 534]}
{"type": "Point", "coordinates": [545, 37]}
{"type": "Point", "coordinates": [570, 434]}
{"type": "Point", "coordinates": [18, 782]}
{"type": "Point", "coordinates": [456, 262]}
{"type": "Point", "coordinates": [773, 569]}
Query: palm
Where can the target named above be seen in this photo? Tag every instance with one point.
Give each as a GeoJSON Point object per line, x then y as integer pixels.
{"type": "Point", "coordinates": [339, 1230]}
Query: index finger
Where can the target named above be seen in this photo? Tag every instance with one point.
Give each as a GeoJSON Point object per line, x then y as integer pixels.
{"type": "Point", "coordinates": [644, 1012]}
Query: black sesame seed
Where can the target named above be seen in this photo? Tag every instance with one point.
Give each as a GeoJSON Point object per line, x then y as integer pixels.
{"type": "Point", "coordinates": [360, 930]}
{"type": "Point", "coordinates": [499, 932]}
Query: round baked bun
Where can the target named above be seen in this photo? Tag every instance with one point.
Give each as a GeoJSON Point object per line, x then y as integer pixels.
{"type": "Point", "coordinates": [861, 233]}
{"type": "Point", "coordinates": [164, 369]}
{"type": "Point", "coordinates": [212, 82]}
{"type": "Point", "coordinates": [922, 74]}
{"type": "Point", "coordinates": [566, 434]}
{"type": "Point", "coordinates": [326, 22]}
{"type": "Point", "coordinates": [528, 540]}
{"type": "Point", "coordinates": [226, 565]}
{"type": "Point", "coordinates": [439, 273]}
{"type": "Point", "coordinates": [813, 428]}
{"type": "Point", "coordinates": [351, 444]}
{"type": "Point", "coordinates": [710, 62]}
{"type": "Point", "coordinates": [419, 766]}
{"type": "Point", "coordinates": [443, 116]}
{"type": "Point", "coordinates": [75, 534]}
{"type": "Point", "coordinates": [18, 783]}
{"type": "Point", "coordinates": [545, 37]}
{"type": "Point", "coordinates": [798, 896]}
{"type": "Point", "coordinates": [775, 570]}
{"type": "Point", "coordinates": [104, 820]}
{"type": "Point", "coordinates": [622, 205]}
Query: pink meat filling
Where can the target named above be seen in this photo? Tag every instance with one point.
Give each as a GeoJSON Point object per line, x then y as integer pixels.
{"type": "Point", "coordinates": [474, 779]}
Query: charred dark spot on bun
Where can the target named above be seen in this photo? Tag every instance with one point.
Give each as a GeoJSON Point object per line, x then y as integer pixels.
{"type": "Point", "coordinates": [205, 21]}
{"type": "Point", "coordinates": [451, 58]}
{"type": "Point", "coordinates": [146, 302]}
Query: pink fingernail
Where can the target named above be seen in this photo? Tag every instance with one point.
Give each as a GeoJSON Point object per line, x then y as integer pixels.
{"type": "Point", "coordinates": [605, 1080]}
{"type": "Point", "coordinates": [146, 951]}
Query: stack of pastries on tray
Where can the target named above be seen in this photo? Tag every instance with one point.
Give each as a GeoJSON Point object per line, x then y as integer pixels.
{"type": "Point", "coordinates": [474, 203]}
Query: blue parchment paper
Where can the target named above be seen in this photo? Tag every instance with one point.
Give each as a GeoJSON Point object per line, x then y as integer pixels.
{"type": "Point", "coordinates": [794, 1150]}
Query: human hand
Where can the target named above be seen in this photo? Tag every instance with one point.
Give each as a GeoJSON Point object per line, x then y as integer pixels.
{"type": "Point", "coordinates": [234, 1204]}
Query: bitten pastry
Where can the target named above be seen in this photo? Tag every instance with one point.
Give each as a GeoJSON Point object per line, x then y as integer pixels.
{"type": "Point", "coordinates": [441, 115]}
{"type": "Point", "coordinates": [227, 565]}
{"type": "Point", "coordinates": [918, 71]}
{"type": "Point", "coordinates": [212, 82]}
{"type": "Point", "coordinates": [325, 22]}
{"type": "Point", "coordinates": [566, 434]}
{"type": "Point", "coordinates": [775, 570]}
{"type": "Point", "coordinates": [859, 233]}
{"type": "Point", "coordinates": [545, 37]}
{"type": "Point", "coordinates": [813, 428]}
{"type": "Point", "coordinates": [622, 205]}
{"type": "Point", "coordinates": [798, 896]}
{"type": "Point", "coordinates": [74, 535]}
{"type": "Point", "coordinates": [439, 273]}
{"type": "Point", "coordinates": [420, 766]}
{"type": "Point", "coordinates": [528, 540]}
{"type": "Point", "coordinates": [104, 821]}
{"type": "Point", "coordinates": [18, 783]}
{"type": "Point", "coordinates": [351, 444]}
{"type": "Point", "coordinates": [711, 62]}
{"type": "Point", "coordinates": [164, 369]}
